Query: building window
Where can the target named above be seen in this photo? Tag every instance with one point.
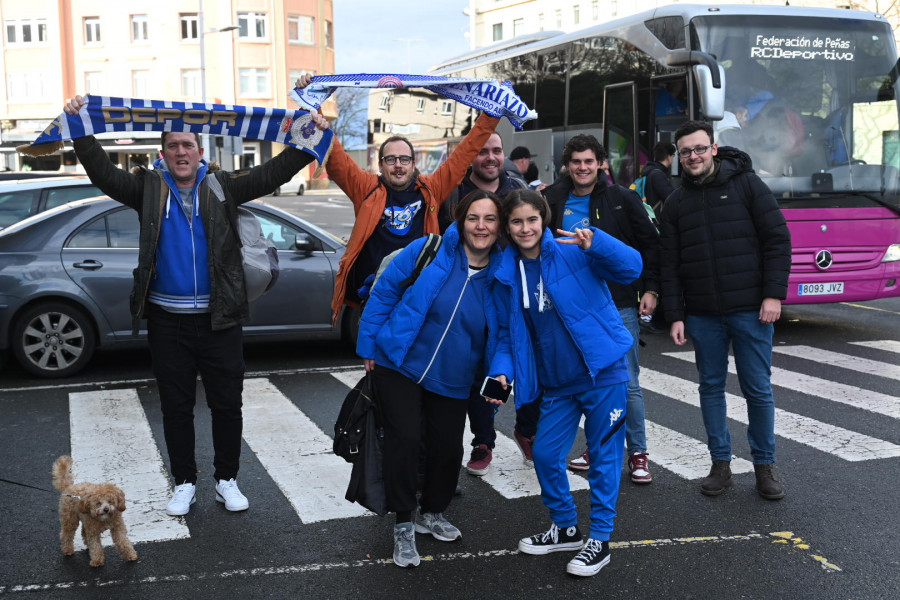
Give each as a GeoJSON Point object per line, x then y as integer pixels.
{"type": "Point", "coordinates": [140, 83]}
{"type": "Point", "coordinates": [26, 31]}
{"type": "Point", "coordinates": [385, 103]}
{"type": "Point", "coordinates": [420, 105]}
{"type": "Point", "coordinates": [190, 26]}
{"type": "Point", "coordinates": [139, 28]}
{"type": "Point", "coordinates": [93, 82]}
{"type": "Point", "coordinates": [498, 32]}
{"type": "Point", "coordinates": [558, 18]}
{"type": "Point", "coordinates": [92, 30]}
{"type": "Point", "coordinates": [541, 22]}
{"type": "Point", "coordinates": [302, 30]}
{"type": "Point", "coordinates": [595, 10]}
{"type": "Point", "coordinates": [25, 87]}
{"type": "Point", "coordinates": [576, 14]}
{"type": "Point", "coordinates": [518, 27]}
{"type": "Point", "coordinates": [329, 34]}
{"type": "Point", "coordinates": [254, 82]}
{"type": "Point", "coordinates": [190, 83]}
{"type": "Point", "coordinates": [614, 7]}
{"type": "Point", "coordinates": [252, 25]}
{"type": "Point", "coordinates": [446, 107]}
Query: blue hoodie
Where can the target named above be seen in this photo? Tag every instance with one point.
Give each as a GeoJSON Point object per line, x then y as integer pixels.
{"type": "Point", "coordinates": [181, 280]}
{"type": "Point", "coordinates": [435, 333]}
{"type": "Point", "coordinates": [575, 282]}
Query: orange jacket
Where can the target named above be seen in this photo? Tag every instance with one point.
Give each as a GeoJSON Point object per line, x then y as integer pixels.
{"type": "Point", "coordinates": [369, 195]}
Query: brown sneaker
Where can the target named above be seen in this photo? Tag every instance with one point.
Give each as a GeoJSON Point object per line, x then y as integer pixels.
{"type": "Point", "coordinates": [718, 479]}
{"type": "Point", "coordinates": [767, 483]}
{"type": "Point", "coordinates": [525, 445]}
{"type": "Point", "coordinates": [638, 468]}
{"type": "Point", "coordinates": [480, 460]}
{"type": "Point", "coordinates": [582, 463]}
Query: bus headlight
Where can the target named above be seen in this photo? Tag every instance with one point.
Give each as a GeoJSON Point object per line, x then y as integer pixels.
{"type": "Point", "coordinates": [892, 254]}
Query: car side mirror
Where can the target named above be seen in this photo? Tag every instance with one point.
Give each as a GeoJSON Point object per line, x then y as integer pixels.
{"type": "Point", "coordinates": [304, 242]}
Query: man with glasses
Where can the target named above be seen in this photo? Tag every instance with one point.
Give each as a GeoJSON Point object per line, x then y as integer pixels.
{"type": "Point", "coordinates": [581, 198]}
{"type": "Point", "coordinates": [396, 207]}
{"type": "Point", "coordinates": [725, 258]}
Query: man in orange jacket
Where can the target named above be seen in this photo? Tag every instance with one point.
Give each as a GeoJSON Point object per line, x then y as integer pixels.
{"type": "Point", "coordinates": [396, 207]}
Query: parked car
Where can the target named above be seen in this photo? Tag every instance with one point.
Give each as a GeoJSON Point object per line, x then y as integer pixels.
{"type": "Point", "coordinates": [21, 198]}
{"type": "Point", "coordinates": [66, 277]}
{"type": "Point", "coordinates": [297, 182]}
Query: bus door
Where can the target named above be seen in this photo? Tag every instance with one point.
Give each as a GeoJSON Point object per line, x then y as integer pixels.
{"type": "Point", "coordinates": [620, 132]}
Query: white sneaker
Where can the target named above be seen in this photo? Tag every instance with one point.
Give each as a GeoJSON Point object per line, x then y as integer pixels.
{"type": "Point", "coordinates": [228, 492]}
{"type": "Point", "coordinates": [184, 496]}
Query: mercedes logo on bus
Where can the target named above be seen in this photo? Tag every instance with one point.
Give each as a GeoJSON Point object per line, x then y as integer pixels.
{"type": "Point", "coordinates": [824, 259]}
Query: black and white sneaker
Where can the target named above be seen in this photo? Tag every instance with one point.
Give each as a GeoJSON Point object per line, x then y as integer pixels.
{"type": "Point", "coordinates": [554, 540]}
{"type": "Point", "coordinates": [593, 557]}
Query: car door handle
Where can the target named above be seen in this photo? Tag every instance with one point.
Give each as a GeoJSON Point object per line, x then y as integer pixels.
{"type": "Point", "coordinates": [89, 264]}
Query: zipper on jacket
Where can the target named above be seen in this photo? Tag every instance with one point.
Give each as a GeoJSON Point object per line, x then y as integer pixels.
{"type": "Point", "coordinates": [715, 273]}
{"type": "Point", "coordinates": [446, 329]}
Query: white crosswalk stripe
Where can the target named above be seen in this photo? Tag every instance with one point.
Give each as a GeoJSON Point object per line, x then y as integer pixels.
{"type": "Point", "coordinates": [844, 361]}
{"type": "Point", "coordinates": [111, 442]}
{"type": "Point", "coordinates": [889, 345]}
{"type": "Point", "coordinates": [841, 442]}
{"type": "Point", "coordinates": [297, 454]}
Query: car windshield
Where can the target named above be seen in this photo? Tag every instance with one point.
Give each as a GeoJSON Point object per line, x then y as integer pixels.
{"type": "Point", "coordinates": [813, 101]}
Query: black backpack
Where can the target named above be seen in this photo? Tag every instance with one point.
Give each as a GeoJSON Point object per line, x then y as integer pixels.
{"type": "Point", "coordinates": [350, 427]}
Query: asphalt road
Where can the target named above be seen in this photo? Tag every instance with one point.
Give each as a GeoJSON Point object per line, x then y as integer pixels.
{"type": "Point", "coordinates": [832, 537]}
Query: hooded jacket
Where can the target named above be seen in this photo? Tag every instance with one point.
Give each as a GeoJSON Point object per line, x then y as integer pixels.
{"type": "Point", "coordinates": [725, 243]}
{"type": "Point", "coordinates": [394, 329]}
{"type": "Point", "coordinates": [576, 282]}
{"type": "Point", "coordinates": [507, 183]}
{"type": "Point", "coordinates": [369, 195]}
{"type": "Point", "coordinates": [147, 192]}
{"type": "Point", "coordinates": [658, 186]}
{"type": "Point", "coordinates": [622, 215]}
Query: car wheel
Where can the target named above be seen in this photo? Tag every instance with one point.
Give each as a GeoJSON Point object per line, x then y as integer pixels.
{"type": "Point", "coordinates": [277, 192]}
{"type": "Point", "coordinates": [53, 339]}
{"type": "Point", "coordinates": [300, 190]}
{"type": "Point", "coordinates": [350, 326]}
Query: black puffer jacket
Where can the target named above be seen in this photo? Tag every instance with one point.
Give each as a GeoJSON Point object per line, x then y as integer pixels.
{"type": "Point", "coordinates": [146, 192]}
{"type": "Point", "coordinates": [725, 245]}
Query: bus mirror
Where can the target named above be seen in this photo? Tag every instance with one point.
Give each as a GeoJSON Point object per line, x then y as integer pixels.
{"type": "Point", "coordinates": [712, 98]}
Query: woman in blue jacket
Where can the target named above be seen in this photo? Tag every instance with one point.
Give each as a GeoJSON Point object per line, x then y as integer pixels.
{"type": "Point", "coordinates": [423, 344]}
{"type": "Point", "coordinates": [560, 332]}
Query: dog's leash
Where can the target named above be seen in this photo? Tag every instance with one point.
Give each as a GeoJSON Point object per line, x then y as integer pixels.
{"type": "Point", "coordinates": [34, 487]}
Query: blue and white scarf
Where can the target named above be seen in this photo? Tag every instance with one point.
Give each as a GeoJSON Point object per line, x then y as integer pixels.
{"type": "Point", "coordinates": [496, 99]}
{"type": "Point", "coordinates": [102, 114]}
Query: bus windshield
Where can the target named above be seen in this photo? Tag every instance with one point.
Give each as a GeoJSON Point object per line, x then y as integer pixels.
{"type": "Point", "coordinates": [813, 101]}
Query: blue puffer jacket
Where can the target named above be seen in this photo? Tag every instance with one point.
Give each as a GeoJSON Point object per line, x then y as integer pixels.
{"type": "Point", "coordinates": [576, 282]}
{"type": "Point", "coordinates": [406, 331]}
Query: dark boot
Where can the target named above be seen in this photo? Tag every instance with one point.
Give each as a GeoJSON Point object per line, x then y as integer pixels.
{"type": "Point", "coordinates": [718, 479]}
{"type": "Point", "coordinates": [767, 483]}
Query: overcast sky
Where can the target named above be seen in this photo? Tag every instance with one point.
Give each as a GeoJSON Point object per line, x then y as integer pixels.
{"type": "Point", "coordinates": [365, 31]}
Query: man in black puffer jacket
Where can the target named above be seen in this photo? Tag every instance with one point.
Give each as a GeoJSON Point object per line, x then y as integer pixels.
{"type": "Point", "coordinates": [724, 261]}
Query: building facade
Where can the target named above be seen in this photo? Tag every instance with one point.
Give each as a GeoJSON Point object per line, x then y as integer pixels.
{"type": "Point", "coordinates": [245, 52]}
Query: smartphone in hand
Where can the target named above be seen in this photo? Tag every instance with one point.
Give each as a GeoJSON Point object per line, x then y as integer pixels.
{"type": "Point", "coordinates": [492, 388]}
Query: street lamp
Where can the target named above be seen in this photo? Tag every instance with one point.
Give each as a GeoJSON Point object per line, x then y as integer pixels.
{"type": "Point", "coordinates": [201, 28]}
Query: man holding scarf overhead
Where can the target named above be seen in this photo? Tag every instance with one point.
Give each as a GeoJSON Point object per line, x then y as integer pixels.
{"type": "Point", "coordinates": [396, 207]}
{"type": "Point", "coordinates": [189, 284]}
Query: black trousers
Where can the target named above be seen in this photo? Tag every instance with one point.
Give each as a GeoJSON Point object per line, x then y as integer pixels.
{"type": "Point", "coordinates": [181, 346]}
{"type": "Point", "coordinates": [410, 414]}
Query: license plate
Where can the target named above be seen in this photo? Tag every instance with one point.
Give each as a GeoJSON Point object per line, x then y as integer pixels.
{"type": "Point", "coordinates": [821, 289]}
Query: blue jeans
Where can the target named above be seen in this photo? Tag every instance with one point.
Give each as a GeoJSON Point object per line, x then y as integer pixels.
{"type": "Point", "coordinates": [752, 345]}
{"type": "Point", "coordinates": [635, 431]}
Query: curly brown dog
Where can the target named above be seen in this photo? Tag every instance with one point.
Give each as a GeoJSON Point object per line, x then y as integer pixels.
{"type": "Point", "coordinates": [97, 506]}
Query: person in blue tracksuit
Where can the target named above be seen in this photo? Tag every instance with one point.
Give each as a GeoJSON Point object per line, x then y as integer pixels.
{"type": "Point", "coordinates": [423, 344]}
{"type": "Point", "coordinates": [560, 332]}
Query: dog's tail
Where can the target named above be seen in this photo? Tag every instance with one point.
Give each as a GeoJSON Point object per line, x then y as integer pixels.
{"type": "Point", "coordinates": [62, 473]}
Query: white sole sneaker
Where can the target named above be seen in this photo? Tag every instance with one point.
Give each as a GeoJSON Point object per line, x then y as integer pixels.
{"type": "Point", "coordinates": [586, 570]}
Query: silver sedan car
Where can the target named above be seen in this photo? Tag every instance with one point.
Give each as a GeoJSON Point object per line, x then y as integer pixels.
{"type": "Point", "coordinates": [66, 277]}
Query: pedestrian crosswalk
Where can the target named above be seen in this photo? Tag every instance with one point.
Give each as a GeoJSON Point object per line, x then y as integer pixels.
{"type": "Point", "coordinates": [111, 439]}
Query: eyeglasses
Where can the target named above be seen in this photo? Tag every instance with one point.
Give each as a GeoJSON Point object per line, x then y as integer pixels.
{"type": "Point", "coordinates": [392, 159]}
{"type": "Point", "coordinates": [699, 151]}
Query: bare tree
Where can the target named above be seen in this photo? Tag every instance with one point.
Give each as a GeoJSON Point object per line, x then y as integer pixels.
{"type": "Point", "coordinates": [351, 126]}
